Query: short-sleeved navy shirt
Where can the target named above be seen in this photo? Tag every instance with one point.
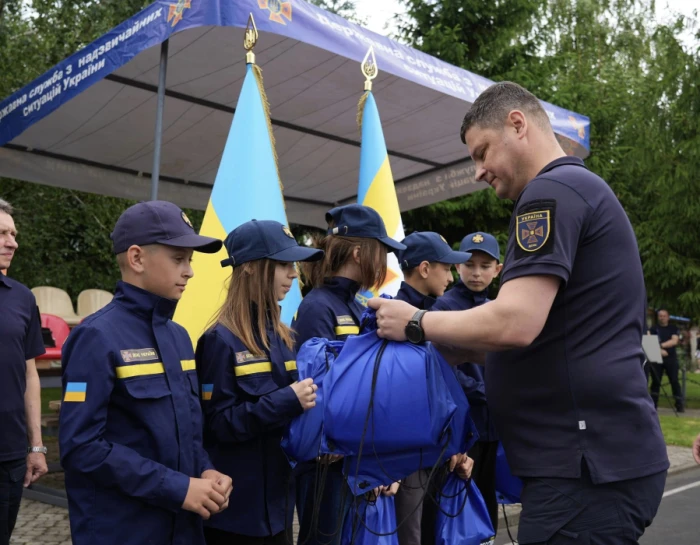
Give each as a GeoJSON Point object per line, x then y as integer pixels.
{"type": "Point", "coordinates": [20, 339]}
{"type": "Point", "coordinates": [665, 333]}
{"type": "Point", "coordinates": [578, 391]}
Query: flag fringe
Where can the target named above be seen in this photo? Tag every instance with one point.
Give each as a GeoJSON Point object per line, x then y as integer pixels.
{"type": "Point", "coordinates": [257, 71]}
{"type": "Point", "coordinates": [361, 109]}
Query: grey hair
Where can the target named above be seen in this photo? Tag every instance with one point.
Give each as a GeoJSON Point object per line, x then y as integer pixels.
{"type": "Point", "coordinates": [491, 107]}
{"type": "Point", "coordinates": [6, 207]}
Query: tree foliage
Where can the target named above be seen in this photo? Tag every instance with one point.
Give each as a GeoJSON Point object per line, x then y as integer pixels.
{"type": "Point", "coordinates": [612, 61]}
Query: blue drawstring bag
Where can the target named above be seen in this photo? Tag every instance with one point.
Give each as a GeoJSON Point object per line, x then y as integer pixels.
{"type": "Point", "coordinates": [508, 486]}
{"type": "Point", "coordinates": [381, 469]}
{"type": "Point", "coordinates": [387, 396]}
{"type": "Point", "coordinates": [302, 438]}
{"type": "Point", "coordinates": [367, 519]}
{"type": "Point", "coordinates": [462, 515]}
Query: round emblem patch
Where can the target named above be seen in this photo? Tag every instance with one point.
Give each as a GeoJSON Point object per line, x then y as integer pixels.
{"type": "Point", "coordinates": [477, 239]}
{"type": "Point", "coordinates": [287, 232]}
{"type": "Point", "coordinates": [186, 220]}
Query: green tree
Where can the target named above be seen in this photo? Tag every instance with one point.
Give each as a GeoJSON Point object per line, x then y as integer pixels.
{"type": "Point", "coordinates": [344, 8]}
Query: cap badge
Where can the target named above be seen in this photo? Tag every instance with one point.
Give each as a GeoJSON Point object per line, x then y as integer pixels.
{"type": "Point", "coordinates": [287, 232]}
{"type": "Point", "coordinates": [477, 239]}
{"type": "Point", "coordinates": [186, 220]}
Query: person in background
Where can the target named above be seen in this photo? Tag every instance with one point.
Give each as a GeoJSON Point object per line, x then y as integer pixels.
{"type": "Point", "coordinates": [130, 430]}
{"type": "Point", "coordinates": [22, 452]}
{"type": "Point", "coordinates": [668, 338]}
{"type": "Point", "coordinates": [476, 275]}
{"type": "Point", "coordinates": [246, 365]}
{"type": "Point", "coordinates": [427, 267]}
{"type": "Point", "coordinates": [355, 259]}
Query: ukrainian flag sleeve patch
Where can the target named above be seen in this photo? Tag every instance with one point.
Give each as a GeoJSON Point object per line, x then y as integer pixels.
{"type": "Point", "coordinates": [75, 392]}
{"type": "Point", "coordinates": [207, 391]}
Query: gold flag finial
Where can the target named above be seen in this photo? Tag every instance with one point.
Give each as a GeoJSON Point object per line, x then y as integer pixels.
{"type": "Point", "coordinates": [369, 68]}
{"type": "Point", "coordinates": [250, 39]}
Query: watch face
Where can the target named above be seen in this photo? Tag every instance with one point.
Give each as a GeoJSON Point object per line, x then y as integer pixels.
{"type": "Point", "coordinates": [414, 333]}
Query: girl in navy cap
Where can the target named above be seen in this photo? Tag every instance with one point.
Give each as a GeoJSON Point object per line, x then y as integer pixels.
{"type": "Point", "coordinates": [355, 259]}
{"type": "Point", "coordinates": [247, 368]}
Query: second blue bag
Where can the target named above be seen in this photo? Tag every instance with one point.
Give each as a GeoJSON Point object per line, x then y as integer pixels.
{"type": "Point", "coordinates": [302, 438]}
{"type": "Point", "coordinates": [371, 523]}
{"type": "Point", "coordinates": [463, 517]}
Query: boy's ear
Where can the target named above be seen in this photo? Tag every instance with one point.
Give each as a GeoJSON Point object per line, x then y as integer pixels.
{"type": "Point", "coordinates": [135, 259]}
{"type": "Point", "coordinates": [356, 254]}
{"type": "Point", "coordinates": [499, 268]}
{"type": "Point", "coordinates": [424, 269]}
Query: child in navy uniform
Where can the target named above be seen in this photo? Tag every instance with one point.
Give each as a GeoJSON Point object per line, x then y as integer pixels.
{"type": "Point", "coordinates": [356, 250]}
{"type": "Point", "coordinates": [470, 291]}
{"type": "Point", "coordinates": [131, 428]}
{"type": "Point", "coordinates": [427, 267]}
{"type": "Point", "coordinates": [247, 367]}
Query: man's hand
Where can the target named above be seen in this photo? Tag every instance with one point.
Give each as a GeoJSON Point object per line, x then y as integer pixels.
{"type": "Point", "coordinates": [696, 449]}
{"type": "Point", "coordinates": [464, 470]}
{"type": "Point", "coordinates": [306, 393]}
{"type": "Point", "coordinates": [457, 460]}
{"type": "Point", "coordinates": [36, 467]}
{"type": "Point", "coordinates": [202, 498]}
{"type": "Point", "coordinates": [222, 484]}
{"type": "Point", "coordinates": [664, 353]}
{"type": "Point", "coordinates": [329, 458]}
{"type": "Point", "coordinates": [392, 317]}
{"type": "Point", "coordinates": [387, 491]}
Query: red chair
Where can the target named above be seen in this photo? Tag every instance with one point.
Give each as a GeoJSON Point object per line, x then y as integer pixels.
{"type": "Point", "coordinates": [59, 331]}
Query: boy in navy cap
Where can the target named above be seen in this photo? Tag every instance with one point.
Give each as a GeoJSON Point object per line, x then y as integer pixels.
{"type": "Point", "coordinates": [427, 267]}
{"type": "Point", "coordinates": [131, 428]}
{"type": "Point", "coordinates": [476, 275]}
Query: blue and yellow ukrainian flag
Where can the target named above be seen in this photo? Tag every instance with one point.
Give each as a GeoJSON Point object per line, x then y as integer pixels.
{"type": "Point", "coordinates": [376, 189]}
{"type": "Point", "coordinates": [247, 187]}
{"type": "Point", "coordinates": [75, 391]}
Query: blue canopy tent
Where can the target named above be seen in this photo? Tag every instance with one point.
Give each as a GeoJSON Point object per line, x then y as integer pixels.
{"type": "Point", "coordinates": [88, 123]}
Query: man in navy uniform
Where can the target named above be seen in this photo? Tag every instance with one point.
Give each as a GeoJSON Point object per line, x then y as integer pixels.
{"type": "Point", "coordinates": [131, 424]}
{"type": "Point", "coordinates": [668, 338]}
{"type": "Point", "coordinates": [564, 373]}
{"type": "Point", "coordinates": [22, 459]}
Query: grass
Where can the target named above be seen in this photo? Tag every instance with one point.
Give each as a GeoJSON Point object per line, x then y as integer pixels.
{"type": "Point", "coordinates": [679, 431]}
{"type": "Point", "coordinates": [49, 394]}
{"type": "Point", "coordinates": [692, 391]}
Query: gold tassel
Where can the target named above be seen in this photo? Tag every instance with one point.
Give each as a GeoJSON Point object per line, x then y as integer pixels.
{"type": "Point", "coordinates": [361, 109]}
{"type": "Point", "coordinates": [257, 71]}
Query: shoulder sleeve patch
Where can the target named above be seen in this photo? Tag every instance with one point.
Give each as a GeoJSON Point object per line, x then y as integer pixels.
{"type": "Point", "coordinates": [535, 228]}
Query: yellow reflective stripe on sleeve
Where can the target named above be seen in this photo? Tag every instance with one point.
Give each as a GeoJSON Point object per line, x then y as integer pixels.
{"type": "Point", "coordinates": [253, 368]}
{"type": "Point", "coordinates": [140, 370]}
{"type": "Point", "coordinates": [188, 365]}
{"type": "Point", "coordinates": [290, 365]}
{"type": "Point", "coordinates": [347, 330]}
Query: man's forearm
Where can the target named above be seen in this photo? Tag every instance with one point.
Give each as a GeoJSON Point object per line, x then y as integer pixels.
{"type": "Point", "coordinates": [483, 329]}
{"type": "Point", "coordinates": [32, 406]}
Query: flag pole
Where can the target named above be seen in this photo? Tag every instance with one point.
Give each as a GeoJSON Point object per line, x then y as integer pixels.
{"type": "Point", "coordinates": [155, 174]}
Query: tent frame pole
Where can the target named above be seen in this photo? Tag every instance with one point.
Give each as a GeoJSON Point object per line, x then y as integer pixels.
{"type": "Point", "coordinates": [155, 176]}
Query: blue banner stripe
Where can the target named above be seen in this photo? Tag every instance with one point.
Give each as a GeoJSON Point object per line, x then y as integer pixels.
{"type": "Point", "coordinates": [306, 23]}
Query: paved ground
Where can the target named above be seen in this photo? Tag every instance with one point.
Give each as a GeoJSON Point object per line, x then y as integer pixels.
{"type": "Point", "coordinates": [41, 524]}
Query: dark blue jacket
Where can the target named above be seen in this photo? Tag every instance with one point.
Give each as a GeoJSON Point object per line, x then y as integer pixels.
{"type": "Point", "coordinates": [247, 401]}
{"type": "Point", "coordinates": [329, 312]}
{"type": "Point", "coordinates": [130, 425]}
{"type": "Point", "coordinates": [415, 298]}
{"type": "Point", "coordinates": [471, 375]}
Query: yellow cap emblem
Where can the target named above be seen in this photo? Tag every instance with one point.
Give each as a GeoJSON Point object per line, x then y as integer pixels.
{"type": "Point", "coordinates": [186, 220]}
{"type": "Point", "coordinates": [477, 239]}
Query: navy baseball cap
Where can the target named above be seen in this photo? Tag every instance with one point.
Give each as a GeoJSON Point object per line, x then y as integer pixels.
{"type": "Point", "coordinates": [355, 220]}
{"type": "Point", "coordinates": [265, 239]}
{"type": "Point", "coordinates": [483, 242]}
{"type": "Point", "coordinates": [431, 247]}
{"type": "Point", "coordinates": [159, 222]}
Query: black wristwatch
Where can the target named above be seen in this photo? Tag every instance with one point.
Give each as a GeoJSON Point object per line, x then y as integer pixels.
{"type": "Point", "coordinates": [414, 331]}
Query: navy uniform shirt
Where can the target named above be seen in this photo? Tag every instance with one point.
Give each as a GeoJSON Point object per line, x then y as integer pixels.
{"type": "Point", "coordinates": [247, 401]}
{"type": "Point", "coordinates": [471, 375]}
{"type": "Point", "coordinates": [665, 333]}
{"type": "Point", "coordinates": [130, 425]}
{"type": "Point", "coordinates": [415, 298]}
{"type": "Point", "coordinates": [578, 391]}
{"type": "Point", "coordinates": [329, 312]}
{"type": "Point", "coordinates": [20, 340]}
